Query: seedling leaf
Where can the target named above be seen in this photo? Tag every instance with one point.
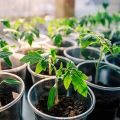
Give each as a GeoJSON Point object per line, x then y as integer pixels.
{"type": "Point", "coordinates": [67, 80]}
{"type": "Point", "coordinates": [11, 81]}
{"type": "Point", "coordinates": [7, 60]}
{"type": "Point", "coordinates": [6, 23]}
{"type": "Point", "coordinates": [78, 81]}
{"type": "Point", "coordinates": [51, 98]}
{"type": "Point", "coordinates": [32, 57]}
{"type": "Point", "coordinates": [41, 66]}
{"type": "Point", "coordinates": [57, 38]}
{"type": "Point", "coordinates": [5, 54]}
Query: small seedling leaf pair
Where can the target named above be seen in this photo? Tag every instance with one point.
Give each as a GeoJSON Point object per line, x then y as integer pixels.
{"type": "Point", "coordinates": [57, 39]}
{"type": "Point", "coordinates": [32, 57]}
{"type": "Point", "coordinates": [10, 81]}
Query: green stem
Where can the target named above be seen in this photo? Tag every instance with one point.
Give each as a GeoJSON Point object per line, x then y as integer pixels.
{"type": "Point", "coordinates": [0, 65]}
{"type": "Point", "coordinates": [56, 96]}
{"type": "Point", "coordinates": [49, 64]}
{"type": "Point", "coordinates": [97, 67]}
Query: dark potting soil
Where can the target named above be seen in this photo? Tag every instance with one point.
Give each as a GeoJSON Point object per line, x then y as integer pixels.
{"type": "Point", "coordinates": [67, 107]}
{"type": "Point", "coordinates": [5, 99]}
{"type": "Point", "coordinates": [7, 94]}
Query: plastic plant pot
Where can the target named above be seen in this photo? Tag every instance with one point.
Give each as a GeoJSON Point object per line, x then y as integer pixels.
{"type": "Point", "coordinates": [77, 55]}
{"type": "Point", "coordinates": [13, 109]}
{"type": "Point", "coordinates": [42, 88]}
{"type": "Point", "coordinates": [113, 60]}
{"type": "Point", "coordinates": [37, 77]}
{"type": "Point", "coordinates": [25, 51]}
{"type": "Point", "coordinates": [42, 40]}
{"type": "Point", "coordinates": [28, 77]}
{"type": "Point", "coordinates": [106, 90]}
{"type": "Point", "coordinates": [18, 68]}
{"type": "Point", "coordinates": [65, 44]}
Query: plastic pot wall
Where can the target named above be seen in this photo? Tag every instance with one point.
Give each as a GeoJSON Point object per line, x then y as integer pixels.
{"type": "Point", "coordinates": [107, 92]}
{"type": "Point", "coordinates": [42, 88]}
{"type": "Point", "coordinates": [65, 44]}
{"type": "Point", "coordinates": [77, 55]}
{"type": "Point", "coordinates": [12, 110]}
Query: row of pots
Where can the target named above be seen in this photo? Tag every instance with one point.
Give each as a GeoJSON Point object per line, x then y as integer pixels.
{"type": "Point", "coordinates": [104, 94]}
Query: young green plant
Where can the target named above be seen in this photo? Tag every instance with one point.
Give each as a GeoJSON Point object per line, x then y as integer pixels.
{"type": "Point", "coordinates": [69, 75]}
{"type": "Point", "coordinates": [5, 53]}
{"type": "Point", "coordinates": [88, 39]}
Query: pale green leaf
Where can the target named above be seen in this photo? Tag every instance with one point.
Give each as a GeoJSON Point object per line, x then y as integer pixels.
{"type": "Point", "coordinates": [32, 57]}
{"type": "Point", "coordinates": [67, 80]}
{"type": "Point", "coordinates": [51, 98]}
{"type": "Point", "coordinates": [11, 81]}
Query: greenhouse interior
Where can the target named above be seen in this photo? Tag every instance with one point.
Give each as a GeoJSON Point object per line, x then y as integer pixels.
{"type": "Point", "coordinates": [59, 59]}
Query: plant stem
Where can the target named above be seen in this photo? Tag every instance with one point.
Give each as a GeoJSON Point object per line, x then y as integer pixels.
{"type": "Point", "coordinates": [97, 67]}
{"type": "Point", "coordinates": [56, 96]}
{"type": "Point", "coordinates": [49, 64]}
{"type": "Point", "coordinates": [0, 65]}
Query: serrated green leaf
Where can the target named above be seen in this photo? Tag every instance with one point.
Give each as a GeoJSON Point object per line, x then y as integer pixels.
{"type": "Point", "coordinates": [88, 40]}
{"type": "Point", "coordinates": [6, 23]}
{"type": "Point", "coordinates": [41, 66]}
{"type": "Point", "coordinates": [38, 68]}
{"type": "Point", "coordinates": [57, 38]}
{"type": "Point", "coordinates": [78, 81]}
{"type": "Point", "coordinates": [67, 80]}
{"type": "Point", "coordinates": [36, 32]}
{"type": "Point", "coordinates": [70, 65]}
{"type": "Point", "coordinates": [11, 81]}
{"type": "Point", "coordinates": [53, 54]}
{"type": "Point", "coordinates": [32, 57]}
{"type": "Point", "coordinates": [60, 70]}
{"type": "Point", "coordinates": [51, 98]}
{"type": "Point", "coordinates": [7, 60]}
{"type": "Point", "coordinates": [2, 43]}
{"type": "Point", "coordinates": [29, 37]}
{"type": "Point", "coordinates": [5, 54]}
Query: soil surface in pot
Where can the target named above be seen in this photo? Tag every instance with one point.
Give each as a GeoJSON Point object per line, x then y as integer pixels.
{"type": "Point", "coordinates": [7, 94]}
{"type": "Point", "coordinates": [67, 107]}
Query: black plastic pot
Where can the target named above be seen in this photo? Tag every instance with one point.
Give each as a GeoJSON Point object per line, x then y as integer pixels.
{"type": "Point", "coordinates": [37, 77]}
{"type": "Point", "coordinates": [107, 89]}
{"type": "Point", "coordinates": [113, 60]}
{"type": "Point", "coordinates": [42, 88]}
{"type": "Point", "coordinates": [65, 44]}
{"type": "Point", "coordinates": [18, 68]}
{"type": "Point", "coordinates": [77, 54]}
{"type": "Point", "coordinates": [12, 110]}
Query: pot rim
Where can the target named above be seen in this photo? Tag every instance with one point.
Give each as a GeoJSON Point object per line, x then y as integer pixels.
{"type": "Point", "coordinates": [44, 76]}
{"type": "Point", "coordinates": [20, 94]}
{"type": "Point", "coordinates": [106, 60]}
{"type": "Point", "coordinates": [77, 47]}
{"type": "Point", "coordinates": [73, 43]}
{"type": "Point", "coordinates": [98, 86]}
{"type": "Point", "coordinates": [91, 94]}
{"type": "Point", "coordinates": [18, 68]}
